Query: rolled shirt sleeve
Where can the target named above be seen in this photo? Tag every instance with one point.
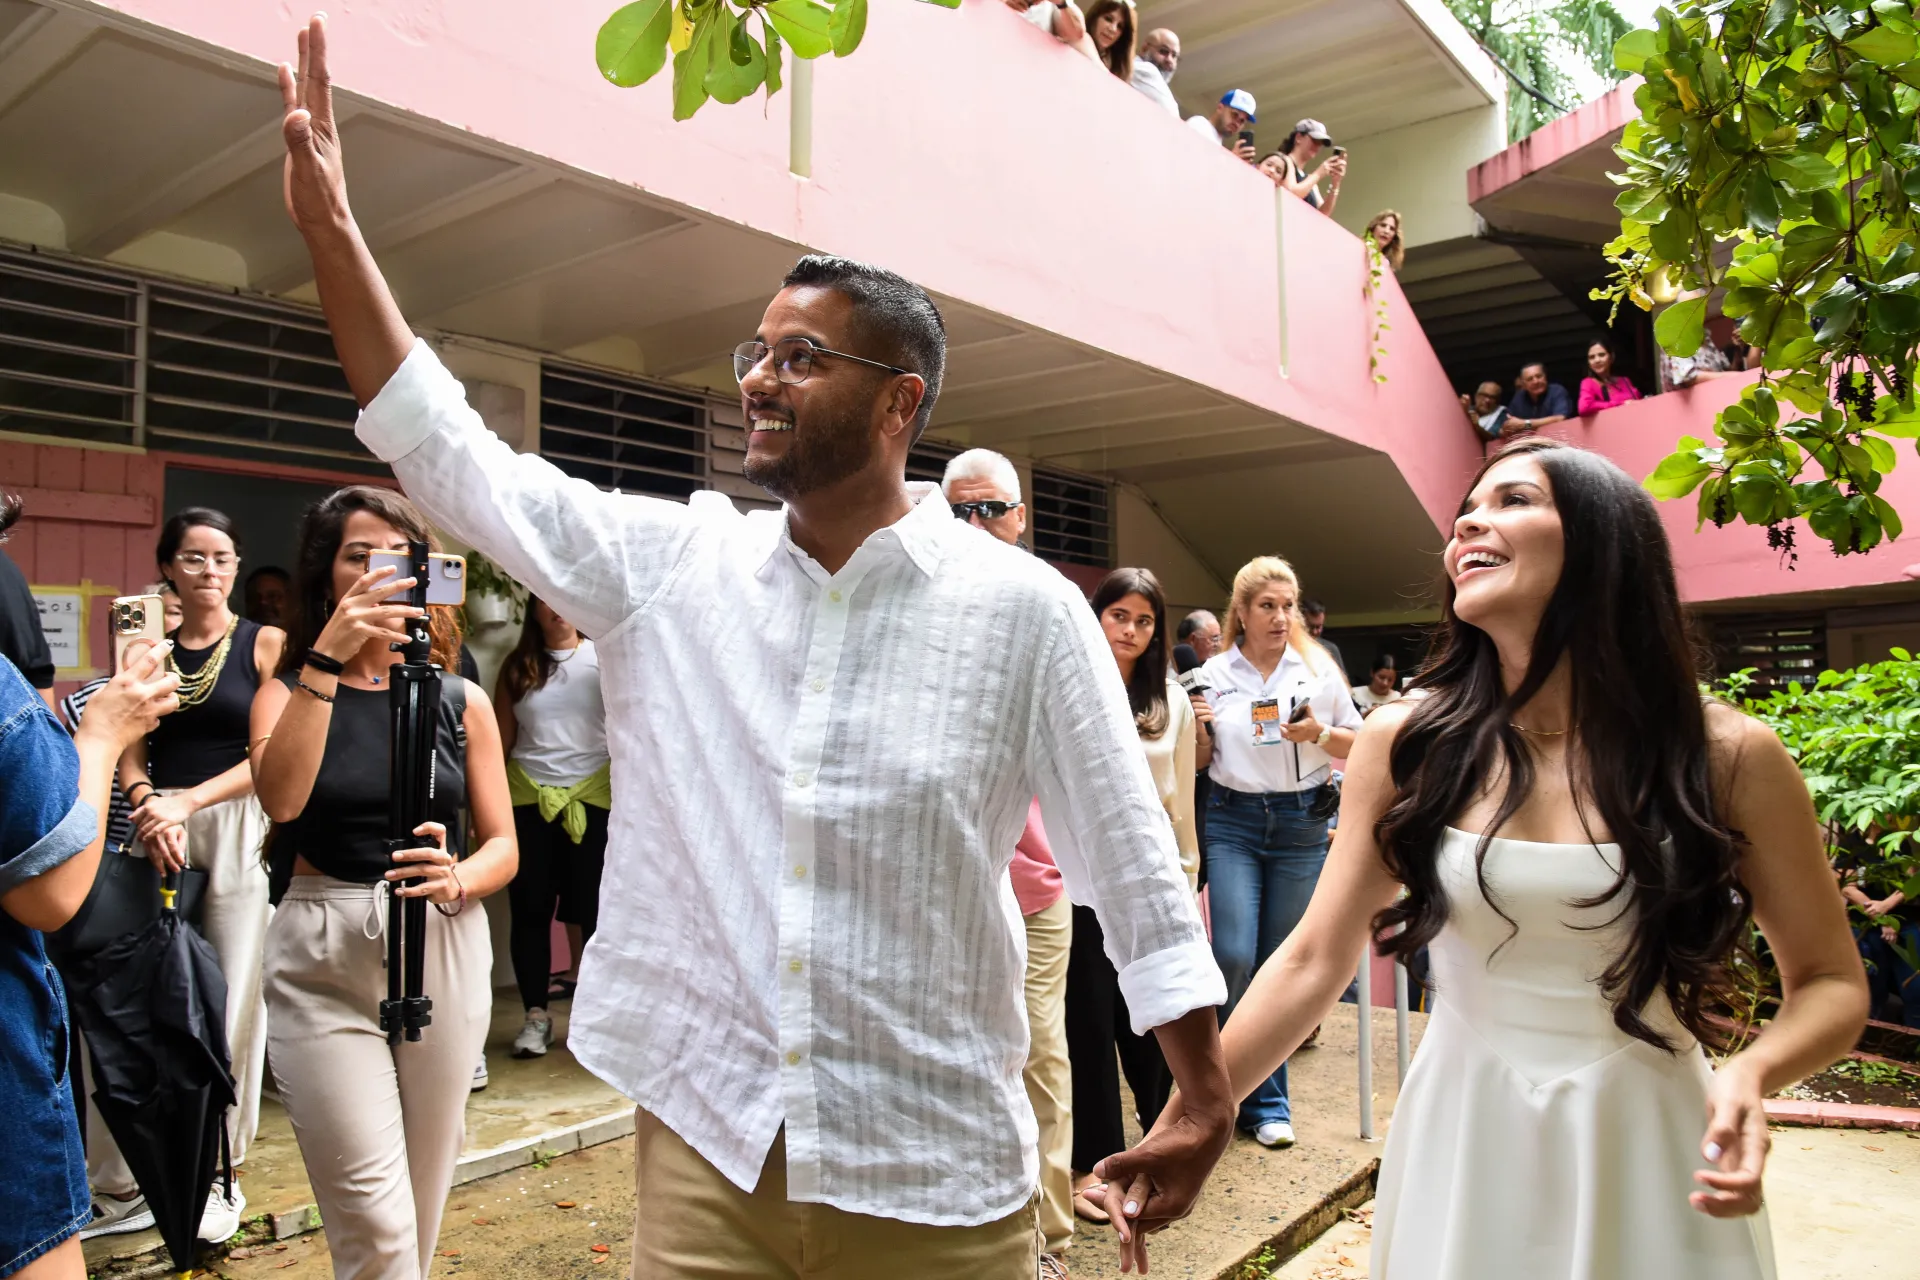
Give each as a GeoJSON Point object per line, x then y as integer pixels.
{"type": "Point", "coordinates": [1111, 838]}
{"type": "Point", "coordinates": [596, 557]}
{"type": "Point", "coordinates": [43, 820]}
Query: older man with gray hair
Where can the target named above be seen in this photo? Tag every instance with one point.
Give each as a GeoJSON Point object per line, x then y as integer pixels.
{"type": "Point", "coordinates": [983, 488]}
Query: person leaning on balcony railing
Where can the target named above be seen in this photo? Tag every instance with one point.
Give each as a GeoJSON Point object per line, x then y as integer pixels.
{"type": "Point", "coordinates": [1485, 413]}
{"type": "Point", "coordinates": [1604, 389]}
{"type": "Point", "coordinates": [1061, 19]}
{"type": "Point", "coordinates": [1230, 118]}
{"type": "Point", "coordinates": [1288, 166]}
{"type": "Point", "coordinates": [1153, 69]}
{"type": "Point", "coordinates": [1111, 30]}
{"type": "Point", "coordinates": [1537, 402]}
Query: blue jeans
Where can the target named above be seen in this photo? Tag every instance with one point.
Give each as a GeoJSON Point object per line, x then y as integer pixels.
{"type": "Point", "coordinates": [1888, 971]}
{"type": "Point", "coordinates": [1264, 856]}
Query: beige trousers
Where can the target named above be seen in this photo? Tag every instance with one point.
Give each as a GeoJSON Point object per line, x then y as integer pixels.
{"type": "Point", "coordinates": [380, 1127]}
{"type": "Point", "coordinates": [1048, 1074]}
{"type": "Point", "coordinates": [693, 1224]}
{"type": "Point", "coordinates": [223, 840]}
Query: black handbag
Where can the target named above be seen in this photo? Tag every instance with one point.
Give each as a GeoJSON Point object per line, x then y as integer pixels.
{"type": "Point", "coordinates": [1326, 801]}
{"type": "Point", "coordinates": [124, 899]}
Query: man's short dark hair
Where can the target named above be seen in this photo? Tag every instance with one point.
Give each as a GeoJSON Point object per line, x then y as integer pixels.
{"type": "Point", "coordinates": [1188, 625]}
{"type": "Point", "coordinates": [1312, 606]}
{"type": "Point", "coordinates": [1533, 364]}
{"type": "Point", "coordinates": [892, 315]}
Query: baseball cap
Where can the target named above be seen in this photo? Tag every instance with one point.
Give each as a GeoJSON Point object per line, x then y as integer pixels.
{"type": "Point", "coordinates": [1240, 100]}
{"type": "Point", "coordinates": [1313, 129]}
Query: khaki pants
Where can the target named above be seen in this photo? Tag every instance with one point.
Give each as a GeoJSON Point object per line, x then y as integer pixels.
{"type": "Point", "coordinates": [693, 1224]}
{"type": "Point", "coordinates": [1048, 1074]}
{"type": "Point", "coordinates": [380, 1127]}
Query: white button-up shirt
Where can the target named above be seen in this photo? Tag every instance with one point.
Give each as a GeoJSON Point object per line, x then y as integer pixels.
{"type": "Point", "coordinates": [1235, 684]}
{"type": "Point", "coordinates": [818, 780]}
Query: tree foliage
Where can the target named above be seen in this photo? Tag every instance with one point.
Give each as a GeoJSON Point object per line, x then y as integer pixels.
{"type": "Point", "coordinates": [714, 47]}
{"type": "Point", "coordinates": [1538, 43]}
{"type": "Point", "coordinates": [1856, 737]}
{"type": "Point", "coordinates": [1774, 166]}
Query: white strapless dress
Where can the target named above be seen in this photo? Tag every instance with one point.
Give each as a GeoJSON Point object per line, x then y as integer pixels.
{"type": "Point", "coordinates": [1534, 1140]}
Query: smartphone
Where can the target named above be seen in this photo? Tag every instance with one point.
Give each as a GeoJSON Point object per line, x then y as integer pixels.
{"type": "Point", "coordinates": [446, 575]}
{"type": "Point", "coordinates": [137, 622]}
{"type": "Point", "coordinates": [1246, 136]}
{"type": "Point", "coordinates": [1300, 713]}
{"type": "Point", "coordinates": [1339, 151]}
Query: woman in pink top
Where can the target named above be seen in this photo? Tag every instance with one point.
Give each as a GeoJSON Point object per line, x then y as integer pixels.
{"type": "Point", "coordinates": [1604, 390]}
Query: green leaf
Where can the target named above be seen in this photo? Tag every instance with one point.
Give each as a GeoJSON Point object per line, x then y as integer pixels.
{"type": "Point", "coordinates": [1803, 171]}
{"type": "Point", "coordinates": [1884, 45]}
{"type": "Point", "coordinates": [802, 24]}
{"type": "Point", "coordinates": [1680, 328]}
{"type": "Point", "coordinates": [1879, 451]}
{"type": "Point", "coordinates": [729, 79]}
{"type": "Point", "coordinates": [1677, 475]}
{"type": "Point", "coordinates": [1828, 208]}
{"type": "Point", "coordinates": [632, 44]}
{"type": "Point", "coordinates": [1631, 51]}
{"type": "Point", "coordinates": [944, 4]}
{"type": "Point", "coordinates": [690, 64]}
{"type": "Point", "coordinates": [1763, 202]}
{"type": "Point", "coordinates": [848, 24]}
{"type": "Point", "coordinates": [774, 54]}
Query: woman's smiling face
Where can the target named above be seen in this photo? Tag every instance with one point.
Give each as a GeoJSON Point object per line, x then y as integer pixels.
{"type": "Point", "coordinates": [1508, 547]}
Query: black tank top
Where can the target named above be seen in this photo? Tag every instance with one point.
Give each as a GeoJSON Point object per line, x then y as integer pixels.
{"type": "Point", "coordinates": [343, 829]}
{"type": "Point", "coordinates": [204, 741]}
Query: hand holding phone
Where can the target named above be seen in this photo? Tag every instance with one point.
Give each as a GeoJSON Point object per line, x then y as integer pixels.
{"type": "Point", "coordinates": [446, 575]}
{"type": "Point", "coordinates": [138, 623]}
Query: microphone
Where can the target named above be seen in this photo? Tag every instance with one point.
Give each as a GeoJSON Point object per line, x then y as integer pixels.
{"type": "Point", "coordinates": [1184, 658]}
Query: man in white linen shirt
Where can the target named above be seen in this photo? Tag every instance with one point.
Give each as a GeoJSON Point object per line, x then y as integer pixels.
{"type": "Point", "coordinates": [808, 967]}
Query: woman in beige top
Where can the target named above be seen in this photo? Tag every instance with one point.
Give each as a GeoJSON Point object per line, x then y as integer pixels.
{"type": "Point", "coordinates": [1133, 613]}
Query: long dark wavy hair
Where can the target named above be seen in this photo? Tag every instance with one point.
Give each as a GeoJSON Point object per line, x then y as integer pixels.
{"type": "Point", "coordinates": [321, 529]}
{"type": "Point", "coordinates": [1639, 750]}
{"type": "Point", "coordinates": [1147, 688]}
{"type": "Point", "coordinates": [530, 665]}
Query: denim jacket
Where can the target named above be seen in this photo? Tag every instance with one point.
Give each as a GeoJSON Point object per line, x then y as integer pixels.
{"type": "Point", "coordinates": [43, 822]}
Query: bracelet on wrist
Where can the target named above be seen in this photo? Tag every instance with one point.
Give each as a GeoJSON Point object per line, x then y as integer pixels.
{"type": "Point", "coordinates": [151, 790]}
{"type": "Point", "coordinates": [322, 663]}
{"type": "Point", "coordinates": [460, 904]}
{"type": "Point", "coordinates": [324, 697]}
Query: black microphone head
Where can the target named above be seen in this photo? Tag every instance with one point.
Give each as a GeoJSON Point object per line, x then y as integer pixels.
{"type": "Point", "coordinates": [1184, 658]}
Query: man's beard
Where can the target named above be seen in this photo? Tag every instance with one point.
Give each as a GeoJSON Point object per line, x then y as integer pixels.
{"type": "Point", "coordinates": [830, 447]}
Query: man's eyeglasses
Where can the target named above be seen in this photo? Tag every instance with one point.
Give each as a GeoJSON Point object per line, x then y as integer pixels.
{"type": "Point", "coordinates": [992, 509]}
{"type": "Point", "coordinates": [792, 359]}
{"type": "Point", "coordinates": [193, 563]}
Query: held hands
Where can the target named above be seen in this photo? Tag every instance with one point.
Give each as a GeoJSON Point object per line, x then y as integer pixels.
{"type": "Point", "coordinates": [129, 706]}
{"type": "Point", "coordinates": [166, 848]}
{"type": "Point", "coordinates": [1305, 729]}
{"type": "Point", "coordinates": [1154, 1185]}
{"type": "Point", "coordinates": [314, 184]}
{"type": "Point", "coordinates": [430, 869]}
{"type": "Point", "coordinates": [158, 812]}
{"type": "Point", "coordinates": [363, 614]}
{"type": "Point", "coordinates": [1736, 1144]}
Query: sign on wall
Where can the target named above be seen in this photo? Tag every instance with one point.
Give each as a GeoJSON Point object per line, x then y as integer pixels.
{"type": "Point", "coordinates": [63, 618]}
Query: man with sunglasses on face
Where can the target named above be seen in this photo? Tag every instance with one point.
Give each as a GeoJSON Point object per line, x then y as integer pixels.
{"type": "Point", "coordinates": [807, 972]}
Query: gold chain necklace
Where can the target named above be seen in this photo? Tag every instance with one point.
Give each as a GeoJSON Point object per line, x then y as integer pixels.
{"type": "Point", "coordinates": [1541, 733]}
{"type": "Point", "coordinates": [198, 687]}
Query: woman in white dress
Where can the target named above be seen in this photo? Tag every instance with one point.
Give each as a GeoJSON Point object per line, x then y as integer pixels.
{"type": "Point", "coordinates": [1582, 842]}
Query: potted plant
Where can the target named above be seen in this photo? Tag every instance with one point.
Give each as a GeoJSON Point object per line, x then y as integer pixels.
{"type": "Point", "coordinates": [493, 598]}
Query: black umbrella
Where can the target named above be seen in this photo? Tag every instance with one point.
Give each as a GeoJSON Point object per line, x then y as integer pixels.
{"type": "Point", "coordinates": [153, 1007]}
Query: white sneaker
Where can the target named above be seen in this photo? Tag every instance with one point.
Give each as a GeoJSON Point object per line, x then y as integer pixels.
{"type": "Point", "coordinates": [479, 1075]}
{"type": "Point", "coordinates": [1274, 1133]}
{"type": "Point", "coordinates": [113, 1217]}
{"type": "Point", "coordinates": [536, 1036]}
{"type": "Point", "coordinates": [222, 1215]}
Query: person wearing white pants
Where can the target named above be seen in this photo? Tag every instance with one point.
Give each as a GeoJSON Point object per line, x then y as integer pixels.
{"type": "Point", "coordinates": [380, 1125]}
{"type": "Point", "coordinates": [193, 792]}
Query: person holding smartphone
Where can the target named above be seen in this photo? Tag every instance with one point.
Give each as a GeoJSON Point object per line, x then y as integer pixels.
{"type": "Point", "coordinates": [380, 1126]}
{"type": "Point", "coordinates": [1282, 716]}
{"type": "Point", "coordinates": [1288, 167]}
{"type": "Point", "coordinates": [192, 793]}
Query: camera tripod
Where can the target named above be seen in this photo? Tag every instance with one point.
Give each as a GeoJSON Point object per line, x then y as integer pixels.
{"type": "Point", "coordinates": [413, 703]}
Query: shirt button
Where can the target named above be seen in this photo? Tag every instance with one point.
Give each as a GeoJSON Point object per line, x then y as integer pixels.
{"type": "Point", "coordinates": [802, 778]}
{"type": "Point", "coordinates": [795, 965]}
{"type": "Point", "coordinates": [834, 596]}
{"type": "Point", "coordinates": [799, 873]}
{"type": "Point", "coordinates": [793, 1059]}
{"type": "Point", "coordinates": [819, 686]}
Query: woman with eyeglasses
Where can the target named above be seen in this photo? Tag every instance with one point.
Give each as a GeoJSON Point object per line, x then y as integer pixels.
{"type": "Point", "coordinates": [191, 776]}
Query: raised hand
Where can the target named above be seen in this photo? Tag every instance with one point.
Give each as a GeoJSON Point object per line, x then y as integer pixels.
{"type": "Point", "coordinates": [366, 612]}
{"type": "Point", "coordinates": [314, 184]}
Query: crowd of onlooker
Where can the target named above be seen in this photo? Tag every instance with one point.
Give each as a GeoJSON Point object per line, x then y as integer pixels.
{"type": "Point", "coordinates": [1537, 401]}
{"type": "Point", "coordinates": [1305, 161]}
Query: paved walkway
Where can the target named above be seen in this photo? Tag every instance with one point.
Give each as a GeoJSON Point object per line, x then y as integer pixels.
{"type": "Point", "coordinates": [1841, 1202]}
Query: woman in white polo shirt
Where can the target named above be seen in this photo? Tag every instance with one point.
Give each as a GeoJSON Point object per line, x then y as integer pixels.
{"type": "Point", "coordinates": [1282, 714]}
